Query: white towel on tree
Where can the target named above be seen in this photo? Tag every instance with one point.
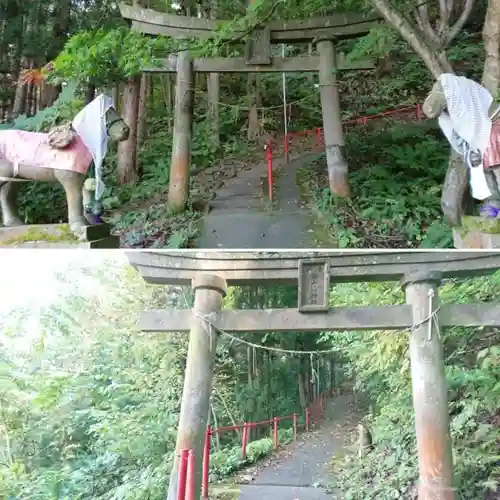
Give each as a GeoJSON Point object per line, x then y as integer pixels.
{"type": "Point", "coordinates": [467, 124]}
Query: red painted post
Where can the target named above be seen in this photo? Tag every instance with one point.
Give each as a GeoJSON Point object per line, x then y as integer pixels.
{"type": "Point", "coordinates": [206, 463]}
{"type": "Point", "coordinates": [181, 485]}
{"type": "Point", "coordinates": [365, 121]}
{"type": "Point", "coordinates": [269, 156]}
{"type": "Point", "coordinates": [419, 112]}
{"type": "Point", "coordinates": [190, 477]}
{"type": "Point", "coordinates": [275, 432]}
{"type": "Point", "coordinates": [307, 419]}
{"type": "Point", "coordinates": [286, 147]}
{"type": "Point", "coordinates": [295, 427]}
{"type": "Point", "coordinates": [244, 439]}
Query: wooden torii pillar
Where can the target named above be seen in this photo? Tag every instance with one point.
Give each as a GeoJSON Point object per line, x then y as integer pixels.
{"type": "Point", "coordinates": [258, 59]}
{"type": "Point", "coordinates": [209, 291]}
{"type": "Point", "coordinates": [332, 120]}
{"type": "Point", "coordinates": [430, 394]}
{"type": "Point", "coordinates": [420, 274]}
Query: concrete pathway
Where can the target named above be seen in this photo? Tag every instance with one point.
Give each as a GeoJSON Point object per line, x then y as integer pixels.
{"type": "Point", "coordinates": [305, 471]}
{"type": "Point", "coordinates": [240, 219]}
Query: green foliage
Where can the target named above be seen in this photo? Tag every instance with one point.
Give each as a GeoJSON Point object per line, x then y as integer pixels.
{"type": "Point", "coordinates": [89, 417]}
{"type": "Point", "coordinates": [396, 179]}
{"type": "Point", "coordinates": [107, 56]}
{"type": "Point", "coordinates": [226, 462]}
{"type": "Point", "coordinates": [89, 406]}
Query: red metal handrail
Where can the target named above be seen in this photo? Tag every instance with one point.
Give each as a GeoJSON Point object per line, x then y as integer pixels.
{"type": "Point", "coordinates": [319, 137]}
{"type": "Point", "coordinates": [313, 413]}
{"type": "Point", "coordinates": [186, 474]}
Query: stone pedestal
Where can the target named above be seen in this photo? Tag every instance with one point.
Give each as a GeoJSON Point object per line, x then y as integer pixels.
{"type": "Point", "coordinates": [57, 236]}
{"type": "Point", "coordinates": [478, 233]}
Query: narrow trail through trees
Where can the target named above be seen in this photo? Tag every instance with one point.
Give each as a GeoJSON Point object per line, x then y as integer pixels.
{"type": "Point", "coordinates": [304, 470]}
{"type": "Point", "coordinates": [240, 218]}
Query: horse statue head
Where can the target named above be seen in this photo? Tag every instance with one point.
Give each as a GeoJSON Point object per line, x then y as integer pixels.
{"type": "Point", "coordinates": [28, 156]}
{"type": "Point", "coordinates": [466, 113]}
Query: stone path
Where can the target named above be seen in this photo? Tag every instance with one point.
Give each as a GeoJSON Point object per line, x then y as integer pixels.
{"type": "Point", "coordinates": [240, 219]}
{"type": "Point", "coordinates": [294, 476]}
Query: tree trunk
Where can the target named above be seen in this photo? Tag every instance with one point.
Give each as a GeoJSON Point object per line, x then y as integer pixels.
{"type": "Point", "coordinates": [249, 416]}
{"type": "Point", "coordinates": [19, 106]}
{"type": "Point", "coordinates": [115, 93]}
{"type": "Point", "coordinates": [89, 93]}
{"type": "Point", "coordinates": [60, 33]}
{"type": "Point", "coordinates": [491, 38]}
{"type": "Point", "coordinates": [127, 167]}
{"type": "Point", "coordinates": [142, 113]}
{"type": "Point", "coordinates": [302, 391]}
{"type": "Point", "coordinates": [213, 88]}
{"type": "Point", "coordinates": [17, 66]}
{"type": "Point", "coordinates": [166, 85]}
{"type": "Point", "coordinates": [253, 130]}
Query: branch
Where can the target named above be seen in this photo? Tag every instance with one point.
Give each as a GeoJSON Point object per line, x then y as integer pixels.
{"type": "Point", "coordinates": [422, 18]}
{"type": "Point", "coordinates": [445, 10]}
{"type": "Point", "coordinates": [410, 32]}
{"type": "Point", "coordinates": [457, 27]}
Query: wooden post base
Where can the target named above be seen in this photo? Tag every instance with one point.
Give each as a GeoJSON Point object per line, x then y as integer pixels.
{"type": "Point", "coordinates": [478, 233]}
{"type": "Point", "coordinates": [57, 236]}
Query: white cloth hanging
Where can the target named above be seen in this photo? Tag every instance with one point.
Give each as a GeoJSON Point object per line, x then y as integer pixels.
{"type": "Point", "coordinates": [467, 124]}
{"type": "Point", "coordinates": [90, 125]}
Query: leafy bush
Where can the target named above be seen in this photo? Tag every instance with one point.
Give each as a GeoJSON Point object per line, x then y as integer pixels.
{"type": "Point", "coordinates": [396, 175]}
{"type": "Point", "coordinates": [104, 56]}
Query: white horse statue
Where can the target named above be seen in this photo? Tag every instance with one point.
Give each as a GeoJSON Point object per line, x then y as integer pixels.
{"type": "Point", "coordinates": [28, 156]}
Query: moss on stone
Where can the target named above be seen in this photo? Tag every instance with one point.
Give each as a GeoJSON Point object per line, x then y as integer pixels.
{"type": "Point", "coordinates": [60, 233]}
{"type": "Point", "coordinates": [480, 224]}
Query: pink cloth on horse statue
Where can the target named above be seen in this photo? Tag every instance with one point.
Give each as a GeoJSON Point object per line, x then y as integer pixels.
{"type": "Point", "coordinates": [32, 149]}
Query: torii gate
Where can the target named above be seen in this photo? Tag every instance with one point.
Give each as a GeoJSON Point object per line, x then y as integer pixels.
{"type": "Point", "coordinates": [420, 274]}
{"type": "Point", "coordinates": [324, 32]}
